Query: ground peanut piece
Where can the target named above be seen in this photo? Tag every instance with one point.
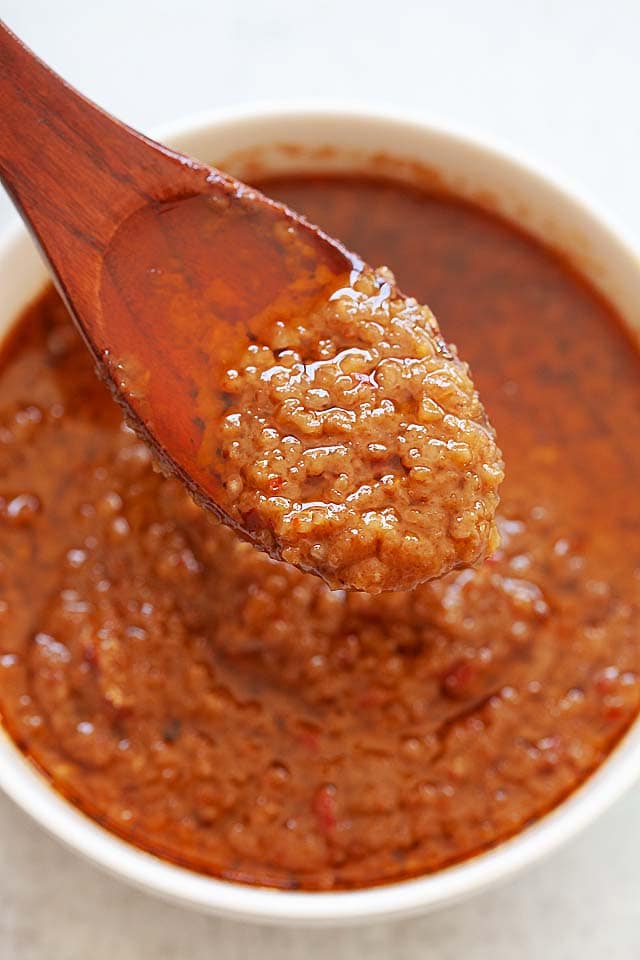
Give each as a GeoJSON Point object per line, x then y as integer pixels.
{"type": "Point", "coordinates": [356, 443]}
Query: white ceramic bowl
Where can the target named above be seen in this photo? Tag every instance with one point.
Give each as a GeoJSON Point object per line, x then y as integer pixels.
{"type": "Point", "coordinates": [475, 170]}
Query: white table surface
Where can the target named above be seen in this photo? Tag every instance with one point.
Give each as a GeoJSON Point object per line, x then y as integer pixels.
{"type": "Point", "coordinates": [560, 80]}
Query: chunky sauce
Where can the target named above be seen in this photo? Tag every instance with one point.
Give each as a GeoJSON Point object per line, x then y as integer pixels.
{"type": "Point", "coordinates": [354, 439]}
{"type": "Point", "coordinates": [231, 713]}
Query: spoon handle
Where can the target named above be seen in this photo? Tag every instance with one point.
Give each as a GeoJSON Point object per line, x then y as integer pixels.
{"type": "Point", "coordinates": [58, 153]}
{"type": "Point", "coordinates": [74, 172]}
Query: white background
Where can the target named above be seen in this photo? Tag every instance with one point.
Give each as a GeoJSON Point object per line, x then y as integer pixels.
{"type": "Point", "coordinates": [561, 82]}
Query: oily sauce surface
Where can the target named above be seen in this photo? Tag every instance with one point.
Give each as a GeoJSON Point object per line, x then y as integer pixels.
{"type": "Point", "coordinates": [233, 714]}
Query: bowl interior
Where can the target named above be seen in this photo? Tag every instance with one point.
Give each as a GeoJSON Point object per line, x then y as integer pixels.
{"type": "Point", "coordinates": [282, 140]}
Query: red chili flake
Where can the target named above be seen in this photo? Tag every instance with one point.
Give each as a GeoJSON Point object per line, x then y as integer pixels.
{"type": "Point", "coordinates": [90, 655]}
{"type": "Point", "coordinates": [613, 714]}
{"type": "Point", "coordinates": [456, 682]}
{"type": "Point", "coordinates": [275, 484]}
{"type": "Point", "coordinates": [310, 741]}
{"type": "Point", "coordinates": [373, 697]}
{"type": "Point", "coordinates": [325, 806]}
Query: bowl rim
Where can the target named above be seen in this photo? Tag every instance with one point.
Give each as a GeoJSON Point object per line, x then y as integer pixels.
{"type": "Point", "coordinates": [33, 793]}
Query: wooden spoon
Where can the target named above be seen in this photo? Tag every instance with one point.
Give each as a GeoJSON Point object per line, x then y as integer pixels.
{"type": "Point", "coordinates": [174, 272]}
{"type": "Point", "coordinates": [164, 262]}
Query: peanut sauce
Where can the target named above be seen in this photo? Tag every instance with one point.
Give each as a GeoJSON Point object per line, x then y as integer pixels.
{"type": "Point", "coordinates": [233, 714]}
